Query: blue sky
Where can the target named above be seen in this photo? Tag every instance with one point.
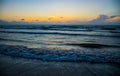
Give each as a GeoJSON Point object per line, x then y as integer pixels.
{"type": "Point", "coordinates": [70, 10]}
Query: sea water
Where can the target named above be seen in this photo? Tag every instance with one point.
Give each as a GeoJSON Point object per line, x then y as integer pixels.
{"type": "Point", "coordinates": [94, 43]}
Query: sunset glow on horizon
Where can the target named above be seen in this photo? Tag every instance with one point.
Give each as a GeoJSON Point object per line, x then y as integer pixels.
{"type": "Point", "coordinates": [56, 11]}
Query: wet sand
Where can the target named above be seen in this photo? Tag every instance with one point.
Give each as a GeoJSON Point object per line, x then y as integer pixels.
{"type": "Point", "coordinates": [14, 66]}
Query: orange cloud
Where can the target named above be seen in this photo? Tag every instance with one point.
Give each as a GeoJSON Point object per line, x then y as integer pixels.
{"type": "Point", "coordinates": [114, 19]}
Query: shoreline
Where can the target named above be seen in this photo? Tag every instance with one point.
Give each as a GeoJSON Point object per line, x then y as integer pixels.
{"type": "Point", "coordinates": [73, 55]}
{"type": "Point", "coordinates": [14, 66]}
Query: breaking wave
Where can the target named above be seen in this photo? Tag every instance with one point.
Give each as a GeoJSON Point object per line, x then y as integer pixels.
{"type": "Point", "coordinates": [61, 33]}
{"type": "Point", "coordinates": [61, 55]}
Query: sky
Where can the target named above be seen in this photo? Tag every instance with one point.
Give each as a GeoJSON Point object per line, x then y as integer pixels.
{"type": "Point", "coordinates": [60, 11]}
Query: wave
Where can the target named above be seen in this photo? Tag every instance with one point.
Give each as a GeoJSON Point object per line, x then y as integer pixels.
{"type": "Point", "coordinates": [102, 27]}
{"type": "Point", "coordinates": [61, 55]}
{"type": "Point", "coordinates": [14, 40]}
{"type": "Point", "coordinates": [62, 33]}
{"type": "Point", "coordinates": [86, 45]}
{"type": "Point", "coordinates": [93, 45]}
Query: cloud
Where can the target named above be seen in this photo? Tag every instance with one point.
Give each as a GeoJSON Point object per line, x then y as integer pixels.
{"type": "Point", "coordinates": [36, 20]}
{"type": "Point", "coordinates": [22, 19]}
{"type": "Point", "coordinates": [55, 17]}
{"type": "Point", "coordinates": [114, 19]}
{"type": "Point", "coordinates": [2, 22]}
{"type": "Point", "coordinates": [61, 17]}
{"type": "Point", "coordinates": [50, 18]}
{"type": "Point", "coordinates": [104, 19]}
{"type": "Point", "coordinates": [99, 19]}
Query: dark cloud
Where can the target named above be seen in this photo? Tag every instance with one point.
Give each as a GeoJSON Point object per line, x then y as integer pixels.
{"type": "Point", "coordinates": [114, 19]}
{"type": "Point", "coordinates": [22, 19]}
{"type": "Point", "coordinates": [3, 22]}
{"type": "Point", "coordinates": [36, 20]}
{"type": "Point", "coordinates": [61, 17]}
{"type": "Point", "coordinates": [114, 16]}
{"type": "Point", "coordinates": [50, 18]}
{"type": "Point", "coordinates": [101, 18]}
{"type": "Point", "coordinates": [104, 19]}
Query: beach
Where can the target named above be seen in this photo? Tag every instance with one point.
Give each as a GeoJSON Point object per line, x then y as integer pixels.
{"type": "Point", "coordinates": [15, 66]}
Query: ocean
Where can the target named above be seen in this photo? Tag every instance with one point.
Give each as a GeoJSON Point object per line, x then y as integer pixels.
{"type": "Point", "coordinates": [74, 43]}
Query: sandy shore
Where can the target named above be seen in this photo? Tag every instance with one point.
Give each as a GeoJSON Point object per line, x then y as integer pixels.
{"type": "Point", "coordinates": [10, 66]}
